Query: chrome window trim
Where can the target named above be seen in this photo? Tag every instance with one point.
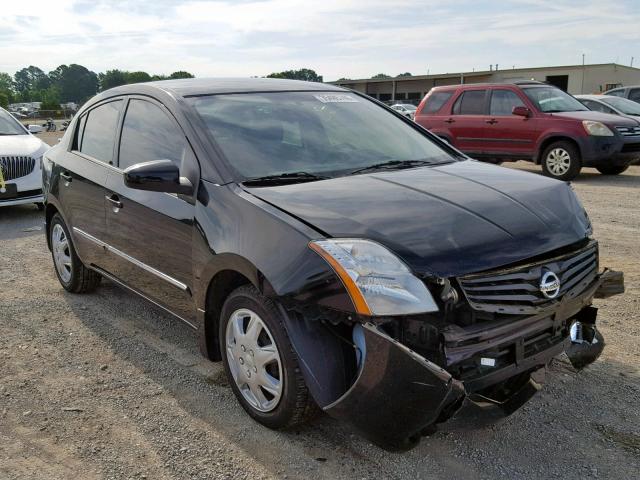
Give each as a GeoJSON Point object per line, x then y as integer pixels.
{"type": "Point", "coordinates": [135, 261]}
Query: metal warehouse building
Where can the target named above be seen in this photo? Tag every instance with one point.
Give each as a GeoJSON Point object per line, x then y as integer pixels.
{"type": "Point", "coordinates": [574, 79]}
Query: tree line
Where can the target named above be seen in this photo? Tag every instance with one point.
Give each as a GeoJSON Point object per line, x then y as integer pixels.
{"type": "Point", "coordinates": [75, 83]}
{"type": "Point", "coordinates": [67, 83]}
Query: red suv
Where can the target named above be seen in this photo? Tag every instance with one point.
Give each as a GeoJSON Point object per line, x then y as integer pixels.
{"type": "Point", "coordinates": [530, 121]}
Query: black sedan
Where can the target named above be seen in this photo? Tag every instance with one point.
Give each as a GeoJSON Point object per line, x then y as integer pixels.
{"type": "Point", "coordinates": [328, 251]}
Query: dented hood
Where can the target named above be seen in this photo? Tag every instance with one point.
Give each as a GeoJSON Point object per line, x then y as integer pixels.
{"type": "Point", "coordinates": [448, 220]}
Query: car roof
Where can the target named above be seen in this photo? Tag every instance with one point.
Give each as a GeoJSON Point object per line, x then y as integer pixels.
{"type": "Point", "coordinates": [211, 86]}
{"type": "Point", "coordinates": [516, 83]}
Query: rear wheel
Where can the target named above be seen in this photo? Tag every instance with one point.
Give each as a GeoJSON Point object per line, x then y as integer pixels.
{"type": "Point", "coordinates": [612, 169]}
{"type": "Point", "coordinates": [260, 361]}
{"type": "Point", "coordinates": [561, 160]}
{"type": "Point", "coordinates": [72, 274]}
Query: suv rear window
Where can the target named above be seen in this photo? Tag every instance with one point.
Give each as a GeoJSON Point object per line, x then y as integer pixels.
{"type": "Point", "coordinates": [470, 102]}
{"type": "Point", "coordinates": [436, 100]}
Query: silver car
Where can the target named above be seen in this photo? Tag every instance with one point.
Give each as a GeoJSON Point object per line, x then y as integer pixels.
{"type": "Point", "coordinates": [611, 104]}
{"type": "Point", "coordinates": [20, 163]}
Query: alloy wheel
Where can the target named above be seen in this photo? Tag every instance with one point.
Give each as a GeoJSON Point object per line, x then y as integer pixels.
{"type": "Point", "coordinates": [558, 161]}
{"type": "Point", "coordinates": [254, 360]}
{"type": "Point", "coordinates": [61, 252]}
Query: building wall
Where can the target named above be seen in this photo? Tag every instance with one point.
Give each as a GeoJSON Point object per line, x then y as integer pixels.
{"type": "Point", "coordinates": [596, 79]}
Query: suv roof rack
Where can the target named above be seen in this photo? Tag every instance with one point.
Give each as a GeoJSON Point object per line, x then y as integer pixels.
{"type": "Point", "coordinates": [529, 82]}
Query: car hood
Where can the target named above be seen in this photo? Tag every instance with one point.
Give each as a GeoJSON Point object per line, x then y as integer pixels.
{"type": "Point", "coordinates": [607, 118]}
{"type": "Point", "coordinates": [21, 145]}
{"type": "Point", "coordinates": [449, 220]}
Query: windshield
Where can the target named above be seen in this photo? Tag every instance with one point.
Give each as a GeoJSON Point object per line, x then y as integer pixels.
{"type": "Point", "coordinates": [9, 125]}
{"type": "Point", "coordinates": [321, 133]}
{"type": "Point", "coordinates": [628, 107]}
{"type": "Point", "coordinates": [551, 99]}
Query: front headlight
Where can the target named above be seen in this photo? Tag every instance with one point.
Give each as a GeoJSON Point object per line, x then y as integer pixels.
{"type": "Point", "coordinates": [597, 129]}
{"type": "Point", "coordinates": [378, 282]}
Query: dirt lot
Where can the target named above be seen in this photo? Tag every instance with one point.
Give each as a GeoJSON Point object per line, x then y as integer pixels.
{"type": "Point", "coordinates": [106, 386]}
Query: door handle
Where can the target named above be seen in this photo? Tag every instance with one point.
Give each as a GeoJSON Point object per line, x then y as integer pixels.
{"type": "Point", "coordinates": [492, 121]}
{"type": "Point", "coordinates": [67, 178]}
{"type": "Point", "coordinates": [115, 201]}
{"type": "Point", "coordinates": [450, 120]}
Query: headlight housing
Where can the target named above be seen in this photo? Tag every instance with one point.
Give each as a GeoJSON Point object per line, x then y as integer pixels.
{"type": "Point", "coordinates": [597, 129]}
{"type": "Point", "coordinates": [378, 282]}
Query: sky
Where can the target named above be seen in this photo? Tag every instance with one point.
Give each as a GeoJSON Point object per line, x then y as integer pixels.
{"type": "Point", "coordinates": [336, 38]}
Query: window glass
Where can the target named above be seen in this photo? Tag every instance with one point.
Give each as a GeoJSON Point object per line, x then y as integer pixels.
{"type": "Point", "coordinates": [552, 99]}
{"type": "Point", "coordinates": [616, 93]}
{"type": "Point", "coordinates": [77, 139]}
{"type": "Point", "coordinates": [148, 133]}
{"type": "Point", "coordinates": [322, 133]}
{"type": "Point", "coordinates": [9, 125]}
{"type": "Point", "coordinates": [100, 131]}
{"type": "Point", "coordinates": [470, 102]}
{"type": "Point", "coordinates": [626, 106]}
{"type": "Point", "coordinates": [436, 100]}
{"type": "Point", "coordinates": [596, 106]}
{"type": "Point", "coordinates": [634, 94]}
{"type": "Point", "coordinates": [503, 102]}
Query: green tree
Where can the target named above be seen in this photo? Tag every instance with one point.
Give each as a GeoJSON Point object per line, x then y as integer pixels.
{"type": "Point", "coordinates": [74, 83]}
{"type": "Point", "coordinates": [6, 87]}
{"type": "Point", "coordinates": [405, 74]}
{"type": "Point", "coordinates": [50, 98]}
{"type": "Point", "coordinates": [305, 74]}
{"type": "Point", "coordinates": [381, 75]}
{"type": "Point", "coordinates": [30, 79]}
{"type": "Point", "coordinates": [4, 100]}
{"type": "Point", "coordinates": [112, 78]}
{"type": "Point", "coordinates": [181, 74]}
{"type": "Point", "coordinates": [138, 77]}
{"type": "Point", "coordinates": [155, 78]}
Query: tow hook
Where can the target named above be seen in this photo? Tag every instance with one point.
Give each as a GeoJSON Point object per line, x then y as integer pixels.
{"type": "Point", "coordinates": [587, 343]}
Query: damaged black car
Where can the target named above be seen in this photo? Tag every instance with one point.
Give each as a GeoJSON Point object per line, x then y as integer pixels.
{"type": "Point", "coordinates": [329, 251]}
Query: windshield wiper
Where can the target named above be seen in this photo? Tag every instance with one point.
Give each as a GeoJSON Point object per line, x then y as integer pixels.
{"type": "Point", "coordinates": [391, 165]}
{"type": "Point", "coordinates": [289, 177]}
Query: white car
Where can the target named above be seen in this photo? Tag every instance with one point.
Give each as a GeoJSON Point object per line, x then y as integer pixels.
{"type": "Point", "coordinates": [405, 109]}
{"type": "Point", "coordinates": [611, 104]}
{"type": "Point", "coordinates": [20, 163]}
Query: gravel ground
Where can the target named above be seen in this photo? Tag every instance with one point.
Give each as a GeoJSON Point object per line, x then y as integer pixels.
{"type": "Point", "coordinates": [107, 386]}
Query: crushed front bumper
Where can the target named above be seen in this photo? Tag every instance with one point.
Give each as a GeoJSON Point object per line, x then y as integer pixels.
{"type": "Point", "coordinates": [399, 395]}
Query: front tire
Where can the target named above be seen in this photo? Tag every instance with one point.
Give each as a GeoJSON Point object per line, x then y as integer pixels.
{"type": "Point", "coordinates": [72, 274]}
{"type": "Point", "coordinates": [612, 169]}
{"type": "Point", "coordinates": [260, 362]}
{"type": "Point", "coordinates": [561, 160]}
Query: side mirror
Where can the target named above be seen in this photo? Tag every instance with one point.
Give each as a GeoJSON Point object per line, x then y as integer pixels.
{"type": "Point", "coordinates": [157, 176]}
{"type": "Point", "coordinates": [521, 111]}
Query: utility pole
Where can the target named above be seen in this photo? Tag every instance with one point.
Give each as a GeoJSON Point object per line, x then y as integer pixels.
{"type": "Point", "coordinates": [582, 84]}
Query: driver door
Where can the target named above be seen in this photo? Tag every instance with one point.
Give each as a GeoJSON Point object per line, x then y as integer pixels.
{"type": "Point", "coordinates": [151, 232]}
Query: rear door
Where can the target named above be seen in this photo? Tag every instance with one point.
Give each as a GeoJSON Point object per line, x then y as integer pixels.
{"type": "Point", "coordinates": [151, 232]}
{"type": "Point", "coordinates": [466, 123]}
{"type": "Point", "coordinates": [81, 175]}
{"type": "Point", "coordinates": [508, 135]}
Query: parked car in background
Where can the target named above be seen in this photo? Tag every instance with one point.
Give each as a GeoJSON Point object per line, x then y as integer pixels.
{"type": "Point", "coordinates": [530, 121]}
{"type": "Point", "coordinates": [326, 250]}
{"type": "Point", "coordinates": [20, 163]}
{"type": "Point", "coordinates": [405, 109]}
{"type": "Point", "coordinates": [632, 92]}
{"type": "Point", "coordinates": [610, 104]}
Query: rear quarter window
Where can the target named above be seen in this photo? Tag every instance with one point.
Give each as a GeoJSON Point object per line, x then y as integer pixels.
{"type": "Point", "coordinates": [435, 101]}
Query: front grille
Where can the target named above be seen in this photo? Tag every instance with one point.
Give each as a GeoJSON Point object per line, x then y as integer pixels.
{"type": "Point", "coordinates": [629, 131]}
{"type": "Point", "coordinates": [16, 167]}
{"type": "Point", "coordinates": [517, 290]}
{"type": "Point", "coordinates": [631, 147]}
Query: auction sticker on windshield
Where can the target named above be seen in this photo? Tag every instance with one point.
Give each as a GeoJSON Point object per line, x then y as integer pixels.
{"type": "Point", "coordinates": [336, 98]}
